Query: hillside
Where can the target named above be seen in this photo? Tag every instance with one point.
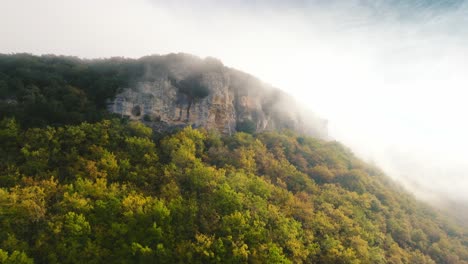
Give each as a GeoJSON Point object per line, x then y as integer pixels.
{"type": "Point", "coordinates": [110, 193]}
{"type": "Point", "coordinates": [164, 92]}
{"type": "Point", "coordinates": [81, 185]}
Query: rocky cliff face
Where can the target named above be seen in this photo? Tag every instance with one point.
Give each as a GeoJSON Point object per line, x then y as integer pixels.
{"type": "Point", "coordinates": [234, 100]}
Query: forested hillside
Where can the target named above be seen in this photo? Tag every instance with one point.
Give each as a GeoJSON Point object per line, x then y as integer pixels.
{"type": "Point", "coordinates": [79, 185]}
{"type": "Point", "coordinates": [112, 192]}
{"type": "Point", "coordinates": [57, 90]}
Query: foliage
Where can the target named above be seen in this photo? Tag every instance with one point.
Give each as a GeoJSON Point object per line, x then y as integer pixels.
{"type": "Point", "coordinates": [108, 193]}
{"type": "Point", "coordinates": [246, 126]}
{"type": "Point", "coordinates": [77, 186]}
{"type": "Point", "coordinates": [191, 86]}
{"type": "Point", "coordinates": [54, 90]}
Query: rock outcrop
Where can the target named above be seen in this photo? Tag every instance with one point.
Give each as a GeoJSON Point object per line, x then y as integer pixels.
{"type": "Point", "coordinates": [234, 101]}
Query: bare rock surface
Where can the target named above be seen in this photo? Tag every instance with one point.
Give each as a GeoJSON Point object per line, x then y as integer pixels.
{"type": "Point", "coordinates": [235, 101]}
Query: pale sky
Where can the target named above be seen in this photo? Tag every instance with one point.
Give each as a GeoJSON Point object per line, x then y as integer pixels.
{"type": "Point", "coordinates": [390, 76]}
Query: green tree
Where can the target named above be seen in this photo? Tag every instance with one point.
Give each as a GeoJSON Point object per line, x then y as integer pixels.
{"type": "Point", "coordinates": [192, 87]}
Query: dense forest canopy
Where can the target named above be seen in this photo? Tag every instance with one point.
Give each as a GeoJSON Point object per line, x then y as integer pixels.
{"type": "Point", "coordinates": [112, 192]}
{"type": "Point", "coordinates": [78, 186]}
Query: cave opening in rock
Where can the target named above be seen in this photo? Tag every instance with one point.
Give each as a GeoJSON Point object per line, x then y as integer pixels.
{"type": "Point", "coordinates": [136, 110]}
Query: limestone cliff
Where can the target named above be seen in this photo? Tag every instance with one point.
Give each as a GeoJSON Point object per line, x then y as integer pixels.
{"type": "Point", "coordinates": [234, 100]}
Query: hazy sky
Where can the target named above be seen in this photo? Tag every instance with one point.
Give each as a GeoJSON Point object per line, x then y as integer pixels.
{"type": "Point", "coordinates": [391, 76]}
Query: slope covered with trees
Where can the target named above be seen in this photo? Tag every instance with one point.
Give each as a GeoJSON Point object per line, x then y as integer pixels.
{"type": "Point", "coordinates": [56, 90]}
{"type": "Point", "coordinates": [79, 186]}
{"type": "Point", "coordinates": [112, 192]}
